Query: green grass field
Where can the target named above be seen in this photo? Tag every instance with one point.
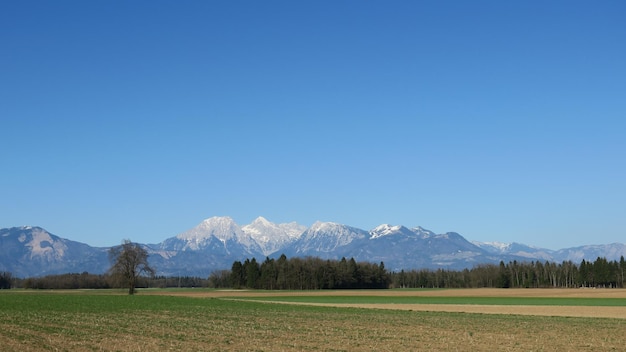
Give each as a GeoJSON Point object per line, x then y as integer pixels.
{"type": "Point", "coordinates": [110, 321]}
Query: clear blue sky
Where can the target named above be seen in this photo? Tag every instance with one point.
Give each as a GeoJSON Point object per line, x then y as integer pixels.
{"type": "Point", "coordinates": [500, 120]}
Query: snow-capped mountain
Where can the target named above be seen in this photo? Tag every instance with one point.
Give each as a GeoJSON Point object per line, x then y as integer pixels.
{"type": "Point", "coordinates": [389, 230]}
{"type": "Point", "coordinates": [213, 244]}
{"type": "Point", "coordinates": [517, 249]}
{"type": "Point", "coordinates": [400, 247]}
{"type": "Point", "coordinates": [217, 242]}
{"type": "Point", "coordinates": [222, 232]}
{"type": "Point", "coordinates": [273, 237]}
{"type": "Point", "coordinates": [327, 240]}
{"type": "Point", "coordinates": [396, 245]}
{"type": "Point", "coordinates": [494, 247]}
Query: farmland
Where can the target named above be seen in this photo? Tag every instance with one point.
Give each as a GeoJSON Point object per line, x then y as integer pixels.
{"type": "Point", "coordinates": [384, 320]}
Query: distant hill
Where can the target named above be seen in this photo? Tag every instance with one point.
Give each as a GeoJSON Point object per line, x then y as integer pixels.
{"type": "Point", "coordinates": [32, 251]}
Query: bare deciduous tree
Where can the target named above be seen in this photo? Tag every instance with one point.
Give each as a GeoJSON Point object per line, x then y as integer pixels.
{"type": "Point", "coordinates": [129, 260]}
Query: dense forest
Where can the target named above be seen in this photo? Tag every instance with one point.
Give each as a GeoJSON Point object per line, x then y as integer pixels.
{"type": "Point", "coordinates": [6, 279]}
{"type": "Point", "coordinates": [313, 273]}
{"type": "Point", "coordinates": [534, 274]}
{"type": "Point", "coordinates": [309, 273]}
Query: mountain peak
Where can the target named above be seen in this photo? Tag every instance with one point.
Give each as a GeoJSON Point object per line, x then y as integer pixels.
{"type": "Point", "coordinates": [422, 232]}
{"type": "Point", "coordinates": [387, 227]}
{"type": "Point", "coordinates": [261, 224]}
{"type": "Point", "coordinates": [214, 220]}
{"type": "Point", "coordinates": [272, 237]}
{"type": "Point", "coordinates": [321, 225]}
{"type": "Point", "coordinates": [385, 230]}
{"type": "Point", "coordinates": [388, 230]}
{"type": "Point", "coordinates": [325, 237]}
{"type": "Point", "coordinates": [222, 227]}
{"type": "Point", "coordinates": [261, 221]}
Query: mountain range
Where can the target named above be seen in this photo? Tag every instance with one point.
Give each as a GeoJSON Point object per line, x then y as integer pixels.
{"type": "Point", "coordinates": [217, 242]}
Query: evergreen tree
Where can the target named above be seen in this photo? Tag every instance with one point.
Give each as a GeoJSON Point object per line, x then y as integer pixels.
{"type": "Point", "coordinates": [6, 279]}
{"type": "Point", "coordinates": [237, 275]}
{"type": "Point", "coordinates": [252, 273]}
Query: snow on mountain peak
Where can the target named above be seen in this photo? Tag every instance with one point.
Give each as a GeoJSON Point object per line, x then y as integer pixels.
{"type": "Point", "coordinates": [496, 246]}
{"type": "Point", "coordinates": [270, 236]}
{"type": "Point", "coordinates": [319, 225]}
{"type": "Point", "coordinates": [387, 227]}
{"type": "Point", "coordinates": [385, 230]}
{"type": "Point", "coordinates": [334, 230]}
{"type": "Point", "coordinates": [260, 233]}
{"type": "Point", "coordinates": [223, 228]}
{"type": "Point", "coordinates": [327, 236]}
{"type": "Point", "coordinates": [260, 221]}
{"type": "Point", "coordinates": [501, 245]}
{"type": "Point", "coordinates": [261, 226]}
{"type": "Point", "coordinates": [423, 232]}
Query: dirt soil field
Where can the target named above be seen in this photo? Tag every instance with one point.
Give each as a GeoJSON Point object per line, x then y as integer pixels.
{"type": "Point", "coordinates": [569, 311]}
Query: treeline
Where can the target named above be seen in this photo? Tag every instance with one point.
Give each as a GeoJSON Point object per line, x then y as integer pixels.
{"type": "Point", "coordinates": [86, 280]}
{"type": "Point", "coordinates": [67, 281]}
{"type": "Point", "coordinates": [6, 280]}
{"type": "Point", "coordinates": [313, 273]}
{"type": "Point", "coordinates": [534, 274]}
{"type": "Point", "coordinates": [308, 273]}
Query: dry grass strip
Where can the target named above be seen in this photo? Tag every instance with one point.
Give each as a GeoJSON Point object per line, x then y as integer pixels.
{"type": "Point", "coordinates": [554, 311]}
{"type": "Point", "coordinates": [561, 311]}
{"type": "Point", "coordinates": [473, 292]}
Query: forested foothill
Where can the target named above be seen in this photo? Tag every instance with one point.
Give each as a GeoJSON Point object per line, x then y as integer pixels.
{"type": "Point", "coordinates": [312, 273]}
